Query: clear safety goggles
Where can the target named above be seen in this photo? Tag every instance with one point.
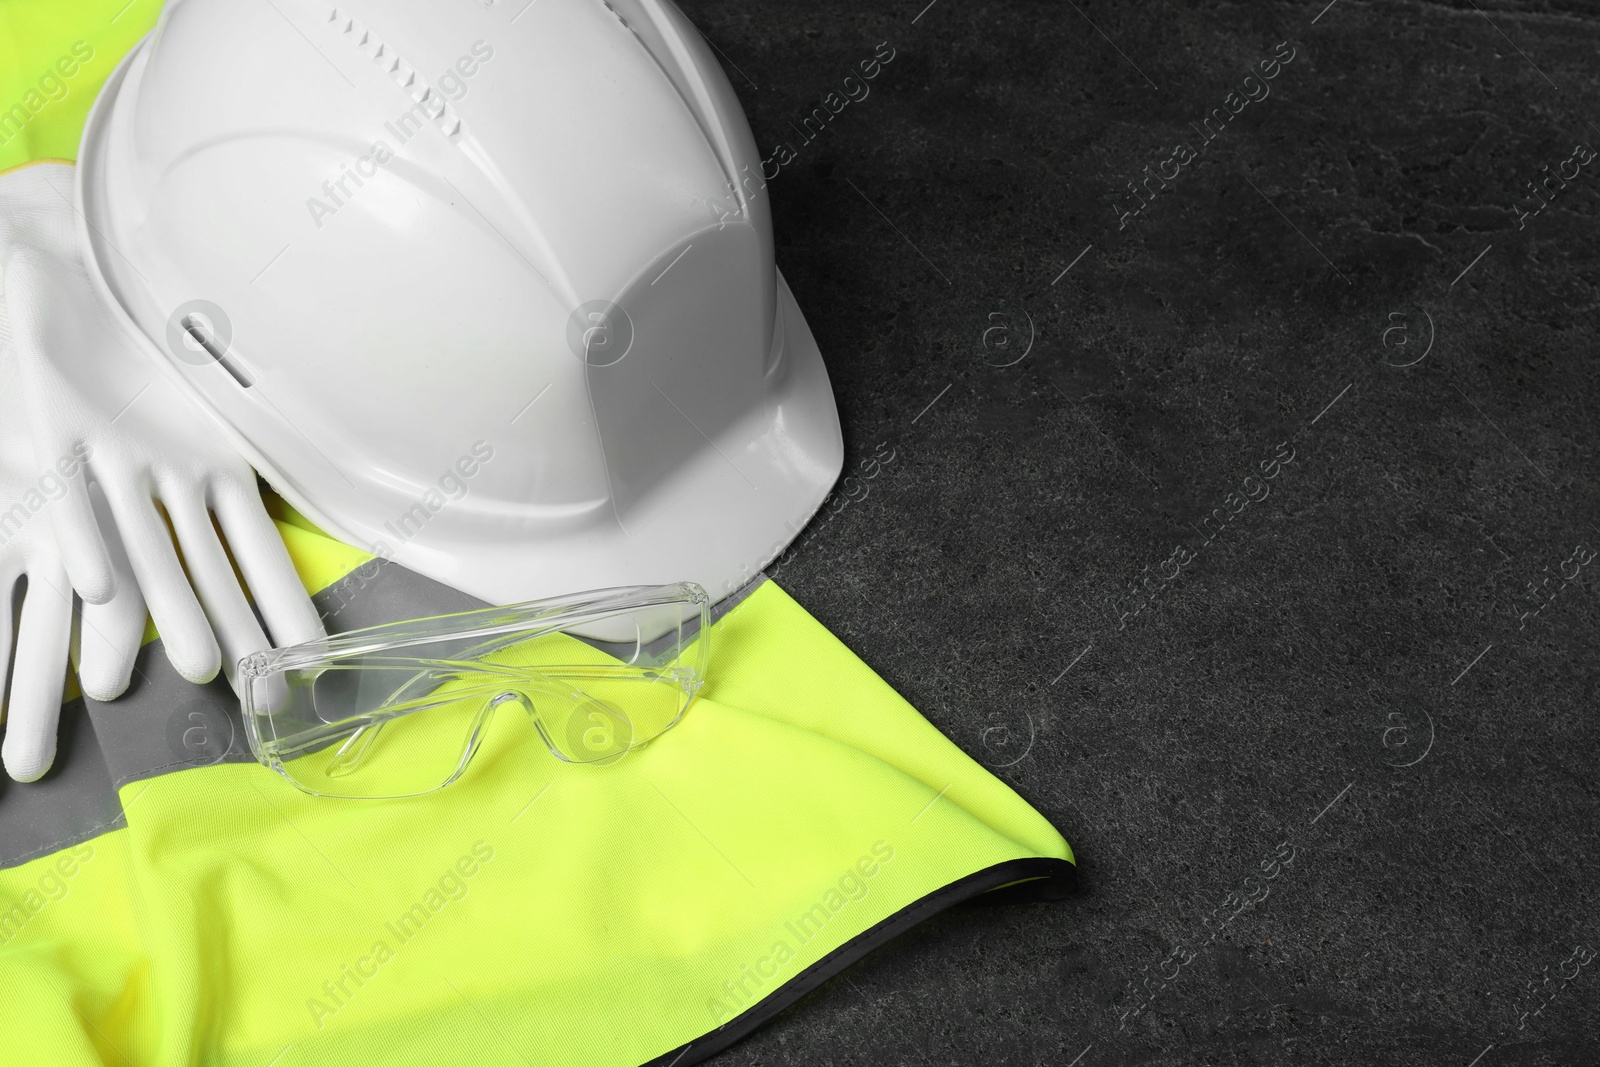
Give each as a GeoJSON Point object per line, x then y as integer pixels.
{"type": "Point", "coordinates": [399, 710]}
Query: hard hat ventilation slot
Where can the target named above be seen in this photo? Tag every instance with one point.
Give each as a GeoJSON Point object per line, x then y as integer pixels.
{"type": "Point", "coordinates": [203, 334]}
{"type": "Point", "coordinates": [433, 104]}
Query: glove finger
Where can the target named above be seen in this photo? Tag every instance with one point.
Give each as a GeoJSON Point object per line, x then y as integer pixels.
{"type": "Point", "coordinates": [10, 575]}
{"type": "Point", "coordinates": [109, 638]}
{"type": "Point", "coordinates": [110, 634]}
{"type": "Point", "coordinates": [44, 636]}
{"type": "Point", "coordinates": [82, 548]}
{"type": "Point", "coordinates": [258, 546]}
{"type": "Point", "coordinates": [237, 629]}
{"type": "Point", "coordinates": [185, 633]}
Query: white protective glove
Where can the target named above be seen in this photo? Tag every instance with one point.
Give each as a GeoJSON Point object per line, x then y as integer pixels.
{"type": "Point", "coordinates": [90, 388]}
{"type": "Point", "coordinates": [110, 633]}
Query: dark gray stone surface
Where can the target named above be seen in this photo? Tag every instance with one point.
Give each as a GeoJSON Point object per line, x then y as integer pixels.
{"type": "Point", "coordinates": [1347, 669]}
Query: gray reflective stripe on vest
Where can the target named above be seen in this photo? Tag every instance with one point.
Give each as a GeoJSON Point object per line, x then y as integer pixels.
{"type": "Point", "coordinates": [75, 801]}
{"type": "Point", "coordinates": [165, 724]}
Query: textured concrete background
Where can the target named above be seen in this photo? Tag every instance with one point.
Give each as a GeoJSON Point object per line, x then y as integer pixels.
{"type": "Point", "coordinates": [1328, 757]}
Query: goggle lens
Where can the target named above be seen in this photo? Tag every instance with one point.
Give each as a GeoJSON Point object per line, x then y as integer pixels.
{"type": "Point", "coordinates": [406, 718]}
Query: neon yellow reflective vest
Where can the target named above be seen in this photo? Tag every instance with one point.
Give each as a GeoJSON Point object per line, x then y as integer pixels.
{"type": "Point", "coordinates": [166, 900]}
{"type": "Point", "coordinates": [54, 57]}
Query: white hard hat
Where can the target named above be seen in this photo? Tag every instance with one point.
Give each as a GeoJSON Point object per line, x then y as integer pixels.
{"type": "Point", "coordinates": [487, 288]}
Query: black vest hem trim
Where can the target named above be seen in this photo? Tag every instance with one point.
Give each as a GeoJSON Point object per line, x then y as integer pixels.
{"type": "Point", "coordinates": [1015, 881]}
